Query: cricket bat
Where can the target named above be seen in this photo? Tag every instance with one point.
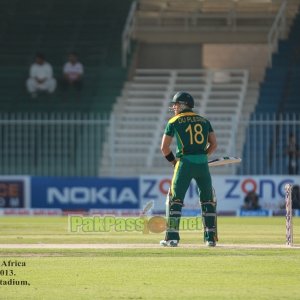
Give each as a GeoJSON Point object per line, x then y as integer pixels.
{"type": "Point", "coordinates": [224, 160]}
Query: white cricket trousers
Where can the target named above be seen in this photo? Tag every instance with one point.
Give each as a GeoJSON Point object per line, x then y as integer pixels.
{"type": "Point", "coordinates": [49, 85]}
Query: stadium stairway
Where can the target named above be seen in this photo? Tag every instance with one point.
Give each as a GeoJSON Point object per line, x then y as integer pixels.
{"type": "Point", "coordinates": [141, 112]}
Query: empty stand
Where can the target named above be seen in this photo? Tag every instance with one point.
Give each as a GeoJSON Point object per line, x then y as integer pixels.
{"type": "Point", "coordinates": [91, 28]}
{"type": "Point", "coordinates": [278, 97]}
{"type": "Point", "coordinates": [210, 15]}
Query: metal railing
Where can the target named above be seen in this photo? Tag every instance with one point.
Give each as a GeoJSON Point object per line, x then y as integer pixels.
{"type": "Point", "coordinates": [266, 144]}
{"type": "Point", "coordinates": [72, 145]}
{"type": "Point", "coordinates": [278, 30]}
{"type": "Point", "coordinates": [127, 33]}
{"type": "Point", "coordinates": [51, 144]}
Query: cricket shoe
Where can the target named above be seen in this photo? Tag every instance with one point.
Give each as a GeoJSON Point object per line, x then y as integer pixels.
{"type": "Point", "coordinates": [211, 244]}
{"type": "Point", "coordinates": [170, 243]}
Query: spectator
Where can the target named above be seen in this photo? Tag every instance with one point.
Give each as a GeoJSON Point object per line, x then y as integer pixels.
{"type": "Point", "coordinates": [251, 201]}
{"type": "Point", "coordinates": [293, 154]}
{"type": "Point", "coordinates": [40, 77]}
{"type": "Point", "coordinates": [72, 72]}
{"type": "Point", "coordinates": [296, 197]}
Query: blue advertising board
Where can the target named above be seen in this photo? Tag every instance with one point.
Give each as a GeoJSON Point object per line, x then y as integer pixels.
{"type": "Point", "coordinates": [231, 191]}
{"type": "Point", "coordinates": [85, 193]}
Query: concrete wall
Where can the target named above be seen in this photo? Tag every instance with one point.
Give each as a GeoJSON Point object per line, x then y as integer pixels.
{"type": "Point", "coordinates": [253, 57]}
{"type": "Point", "coordinates": [170, 56]}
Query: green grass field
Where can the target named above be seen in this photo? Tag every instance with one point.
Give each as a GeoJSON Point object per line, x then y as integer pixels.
{"type": "Point", "coordinates": [250, 262]}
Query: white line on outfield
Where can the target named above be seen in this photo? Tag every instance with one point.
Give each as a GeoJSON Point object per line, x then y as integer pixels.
{"type": "Point", "coordinates": [140, 246]}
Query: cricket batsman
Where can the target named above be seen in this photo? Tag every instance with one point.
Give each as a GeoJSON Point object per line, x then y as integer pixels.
{"type": "Point", "coordinates": [195, 141]}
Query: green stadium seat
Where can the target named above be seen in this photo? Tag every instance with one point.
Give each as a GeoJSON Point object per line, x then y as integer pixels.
{"type": "Point", "coordinates": [91, 28]}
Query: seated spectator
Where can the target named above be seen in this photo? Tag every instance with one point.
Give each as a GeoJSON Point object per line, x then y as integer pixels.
{"type": "Point", "coordinates": [40, 77]}
{"type": "Point", "coordinates": [293, 153]}
{"type": "Point", "coordinates": [72, 72]}
{"type": "Point", "coordinates": [296, 197]}
{"type": "Point", "coordinates": [251, 201]}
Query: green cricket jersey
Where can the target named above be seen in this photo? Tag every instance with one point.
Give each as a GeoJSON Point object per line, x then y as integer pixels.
{"type": "Point", "coordinates": [191, 131]}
